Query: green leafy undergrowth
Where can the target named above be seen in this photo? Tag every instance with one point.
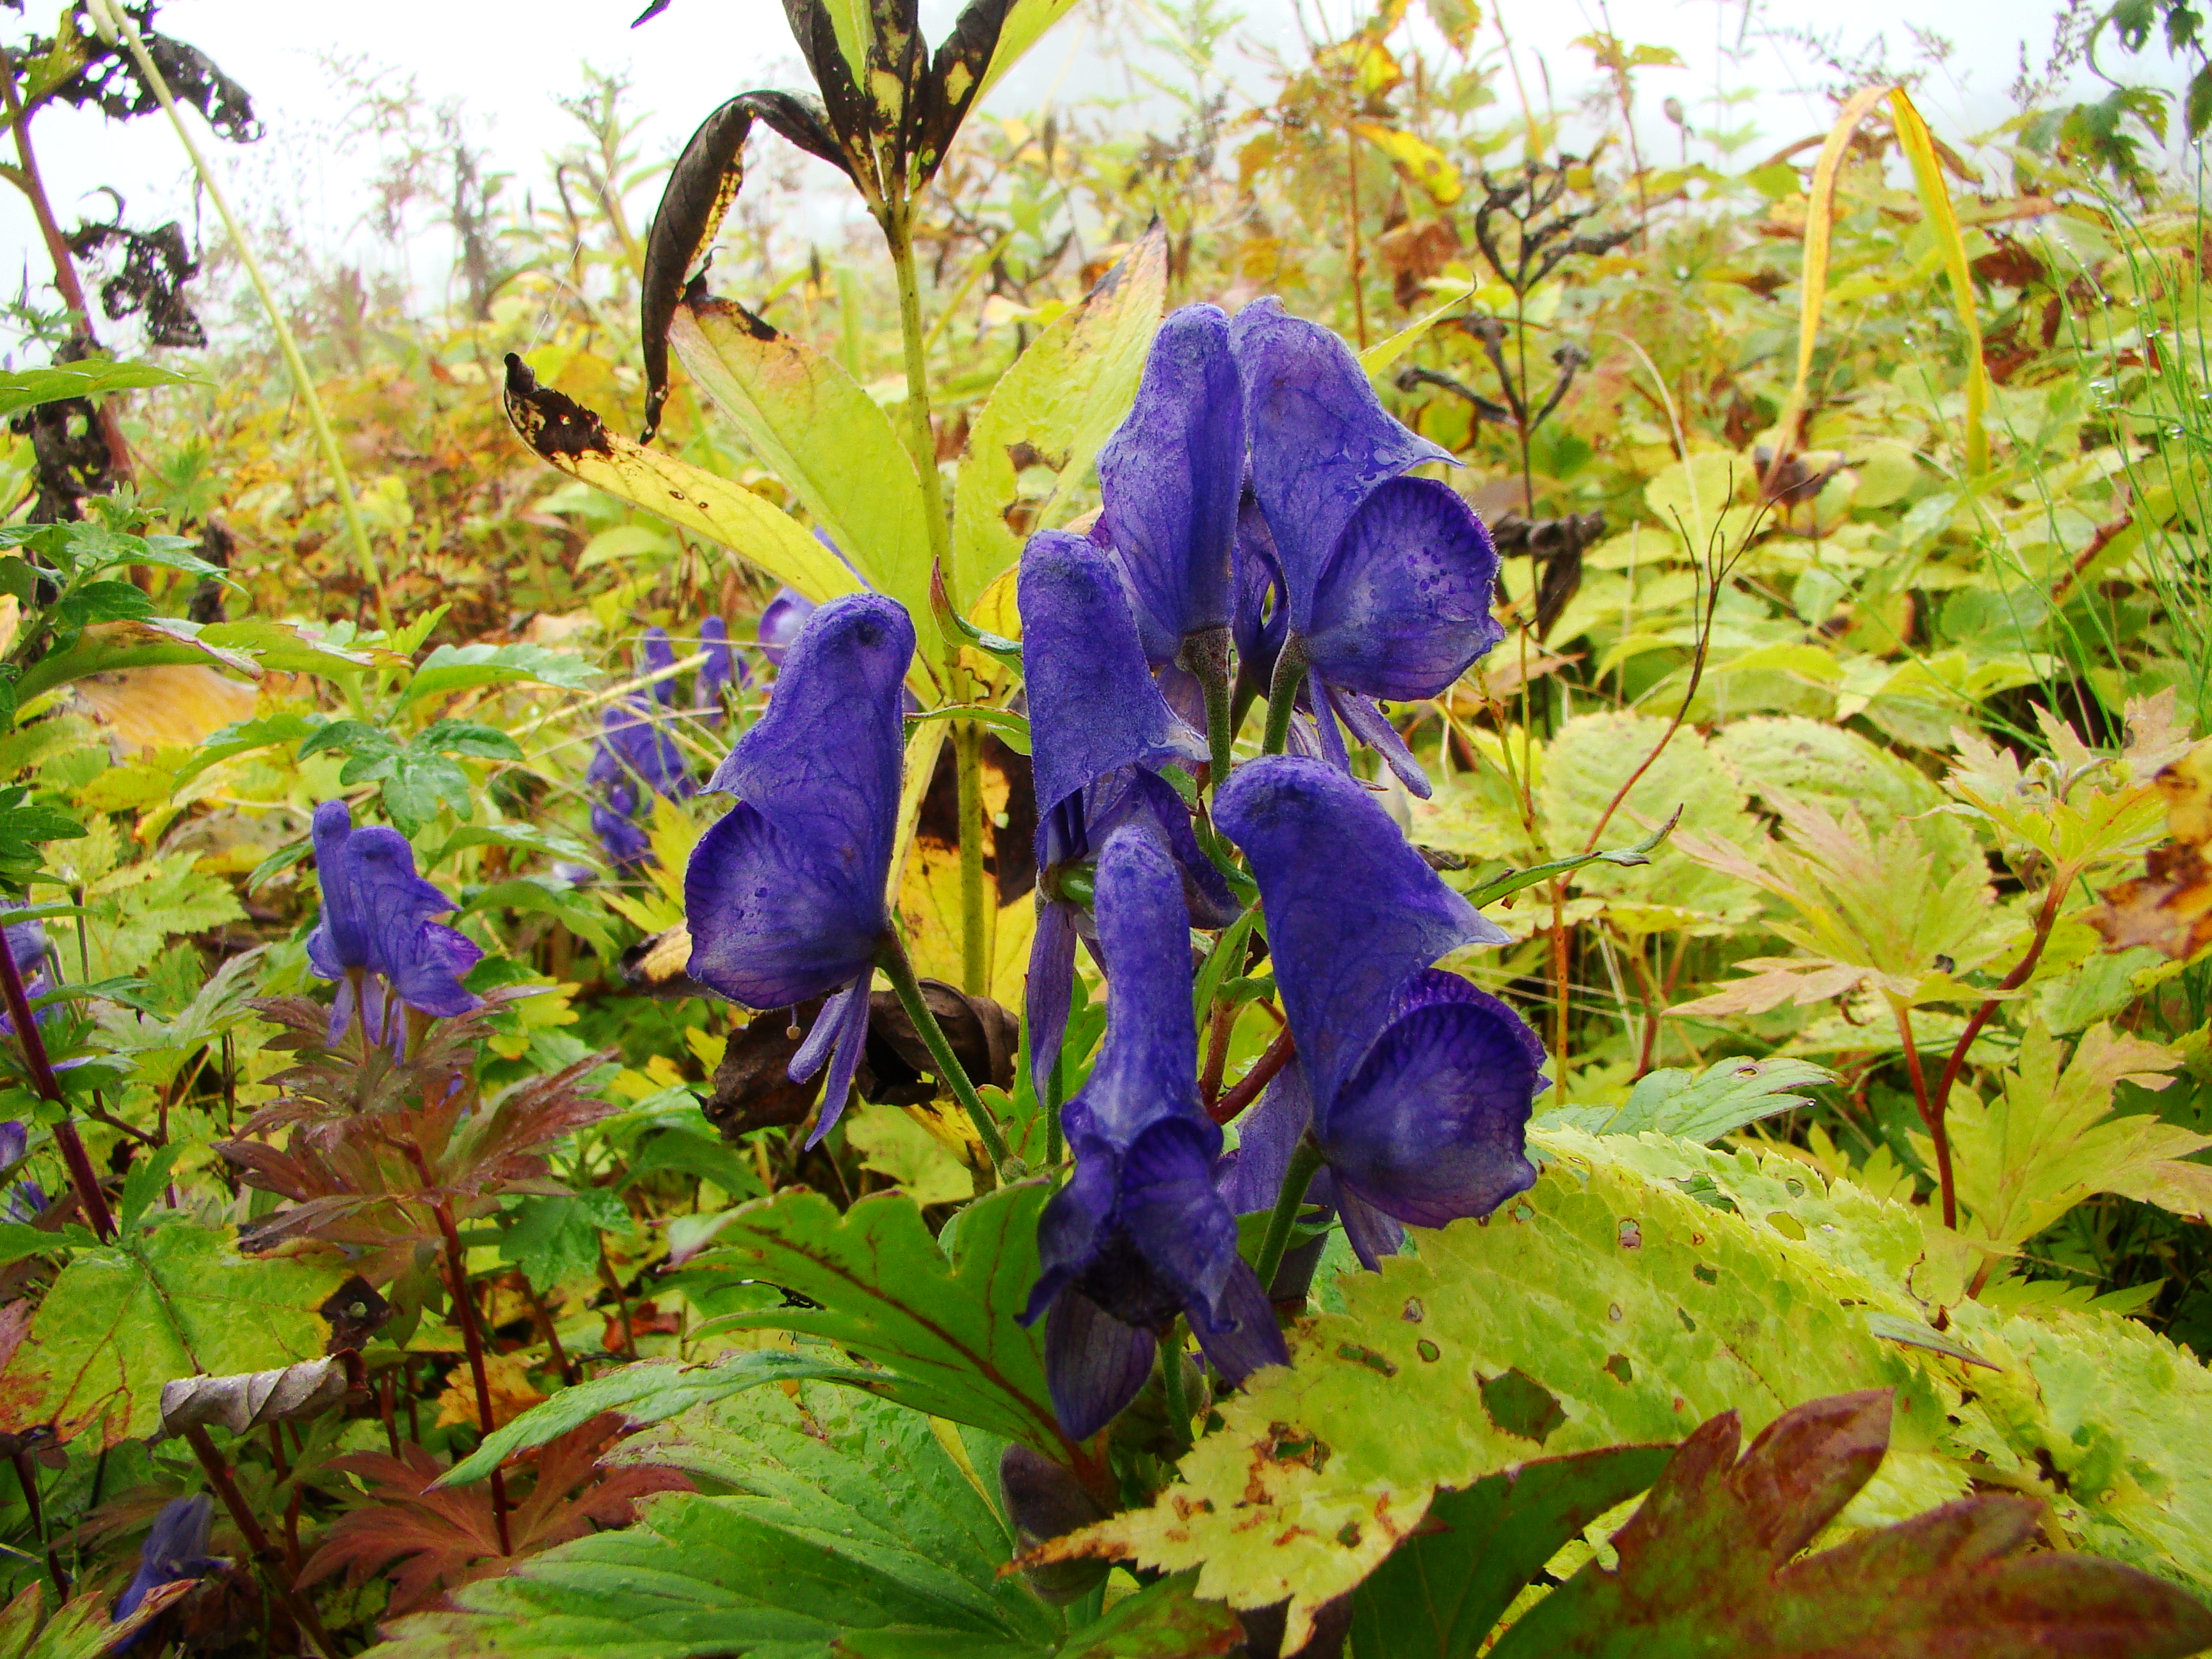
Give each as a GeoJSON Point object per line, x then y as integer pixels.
{"type": "Point", "coordinates": [830, 1524]}
{"type": "Point", "coordinates": [942, 1322]}
{"type": "Point", "coordinates": [122, 1320]}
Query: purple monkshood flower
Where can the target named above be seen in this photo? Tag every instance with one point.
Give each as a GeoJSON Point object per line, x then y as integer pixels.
{"type": "Point", "coordinates": [376, 931]}
{"type": "Point", "coordinates": [1416, 1085]}
{"type": "Point", "coordinates": [1385, 581]}
{"type": "Point", "coordinates": [1170, 478]}
{"type": "Point", "coordinates": [24, 1199]}
{"type": "Point", "coordinates": [635, 745]}
{"type": "Point", "coordinates": [721, 668]}
{"type": "Point", "coordinates": [614, 821]}
{"type": "Point", "coordinates": [659, 656]}
{"type": "Point", "coordinates": [175, 1550]}
{"type": "Point", "coordinates": [1139, 1235]}
{"type": "Point", "coordinates": [786, 894]}
{"type": "Point", "coordinates": [1100, 732]}
{"type": "Point", "coordinates": [780, 623]}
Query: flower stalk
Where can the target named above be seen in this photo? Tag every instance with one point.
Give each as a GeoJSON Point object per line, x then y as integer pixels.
{"type": "Point", "coordinates": [83, 1180]}
{"type": "Point", "coordinates": [892, 960]}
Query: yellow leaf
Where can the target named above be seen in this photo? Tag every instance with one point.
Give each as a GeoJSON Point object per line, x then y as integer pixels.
{"type": "Point", "coordinates": [1418, 159]}
{"type": "Point", "coordinates": [509, 1385]}
{"type": "Point", "coordinates": [165, 708]}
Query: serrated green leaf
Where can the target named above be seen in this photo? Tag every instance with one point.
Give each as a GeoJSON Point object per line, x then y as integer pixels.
{"type": "Point", "coordinates": [1439, 1593]}
{"type": "Point", "coordinates": [1628, 1310]}
{"type": "Point", "coordinates": [946, 1328]}
{"type": "Point", "coordinates": [120, 1320]}
{"type": "Point", "coordinates": [285, 648]}
{"type": "Point", "coordinates": [556, 1239]}
{"type": "Point", "coordinates": [18, 1239]}
{"type": "Point", "coordinates": [651, 1391]}
{"type": "Point", "coordinates": [1060, 402]}
{"type": "Point", "coordinates": [1702, 1106]}
{"type": "Point", "coordinates": [844, 1527]}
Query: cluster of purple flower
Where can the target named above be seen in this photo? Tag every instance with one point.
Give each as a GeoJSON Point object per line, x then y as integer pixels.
{"type": "Point", "coordinates": [635, 750]}
{"type": "Point", "coordinates": [1257, 501]}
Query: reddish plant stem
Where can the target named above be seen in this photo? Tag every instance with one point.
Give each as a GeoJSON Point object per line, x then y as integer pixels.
{"type": "Point", "coordinates": [82, 1179]}
{"type": "Point", "coordinates": [1262, 1075]}
{"type": "Point", "coordinates": [265, 1553]}
{"type": "Point", "coordinates": [27, 1477]}
{"type": "Point", "coordinates": [464, 1315]}
{"type": "Point", "coordinates": [384, 1411]}
{"type": "Point", "coordinates": [569, 1372]}
{"type": "Point", "coordinates": [291, 1505]}
{"type": "Point", "coordinates": [1929, 1114]}
{"type": "Point", "coordinates": [1216, 1054]}
{"type": "Point", "coordinates": [2047, 918]}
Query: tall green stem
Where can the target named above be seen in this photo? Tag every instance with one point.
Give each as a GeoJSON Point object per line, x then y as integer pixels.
{"type": "Point", "coordinates": [967, 736]}
{"type": "Point", "coordinates": [1304, 1162]}
{"type": "Point", "coordinates": [1283, 694]}
{"type": "Point", "coordinates": [900, 972]}
{"type": "Point", "coordinates": [116, 24]}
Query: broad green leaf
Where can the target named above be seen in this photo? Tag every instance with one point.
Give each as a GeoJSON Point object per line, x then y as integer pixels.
{"type": "Point", "coordinates": [570, 437]}
{"type": "Point", "coordinates": [1056, 406]}
{"type": "Point", "coordinates": [145, 642]}
{"type": "Point", "coordinates": [25, 388]}
{"type": "Point", "coordinates": [1593, 755]}
{"type": "Point", "coordinates": [650, 1391]}
{"type": "Point", "coordinates": [120, 1320]}
{"type": "Point", "coordinates": [1607, 1306]}
{"type": "Point", "coordinates": [1702, 1106]}
{"type": "Point", "coordinates": [841, 1526]}
{"type": "Point", "coordinates": [453, 668]}
{"type": "Point", "coordinates": [944, 1327]}
{"type": "Point", "coordinates": [555, 1237]}
{"type": "Point", "coordinates": [818, 432]}
{"type": "Point", "coordinates": [18, 1239]}
{"type": "Point", "coordinates": [893, 1144]}
{"type": "Point", "coordinates": [290, 647]}
{"type": "Point", "coordinates": [1705, 1566]}
{"type": "Point", "coordinates": [1440, 1592]}
{"type": "Point", "coordinates": [1024, 25]}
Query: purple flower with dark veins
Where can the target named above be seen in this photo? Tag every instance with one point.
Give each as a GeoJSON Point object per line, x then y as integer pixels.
{"type": "Point", "coordinates": [175, 1550]}
{"type": "Point", "coordinates": [1100, 732]}
{"type": "Point", "coordinates": [785, 895]}
{"type": "Point", "coordinates": [1139, 1235]}
{"type": "Point", "coordinates": [1386, 580]}
{"type": "Point", "coordinates": [376, 937]}
{"type": "Point", "coordinates": [1416, 1086]}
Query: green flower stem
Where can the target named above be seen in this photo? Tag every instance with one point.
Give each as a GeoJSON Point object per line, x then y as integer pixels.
{"type": "Point", "coordinates": [1304, 1163]}
{"type": "Point", "coordinates": [967, 736]}
{"type": "Point", "coordinates": [900, 972]}
{"type": "Point", "coordinates": [115, 23]}
{"type": "Point", "coordinates": [1205, 657]}
{"type": "Point", "coordinates": [1282, 693]}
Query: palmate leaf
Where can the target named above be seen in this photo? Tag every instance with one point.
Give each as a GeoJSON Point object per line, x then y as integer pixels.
{"type": "Point", "coordinates": [1607, 1306]}
{"type": "Point", "coordinates": [121, 1321]}
{"type": "Point", "coordinates": [1441, 1591]}
{"type": "Point", "coordinates": [942, 1322]}
{"type": "Point", "coordinates": [1706, 1567]}
{"type": "Point", "coordinates": [841, 1526]}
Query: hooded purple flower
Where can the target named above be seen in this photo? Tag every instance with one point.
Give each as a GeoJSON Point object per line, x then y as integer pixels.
{"type": "Point", "coordinates": [1416, 1085]}
{"type": "Point", "coordinates": [175, 1549]}
{"type": "Point", "coordinates": [661, 657]}
{"type": "Point", "coordinates": [1100, 732]}
{"type": "Point", "coordinates": [721, 670]}
{"type": "Point", "coordinates": [376, 932]}
{"type": "Point", "coordinates": [24, 1199]}
{"type": "Point", "coordinates": [785, 895]}
{"type": "Point", "coordinates": [1170, 478]}
{"type": "Point", "coordinates": [1386, 580]}
{"type": "Point", "coordinates": [614, 821]}
{"type": "Point", "coordinates": [1139, 1235]}
{"type": "Point", "coordinates": [635, 745]}
{"type": "Point", "coordinates": [786, 614]}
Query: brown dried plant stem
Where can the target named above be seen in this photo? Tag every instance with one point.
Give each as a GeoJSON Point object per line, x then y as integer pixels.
{"type": "Point", "coordinates": [82, 1179]}
{"type": "Point", "coordinates": [2047, 918]}
{"type": "Point", "coordinates": [265, 1554]}
{"type": "Point", "coordinates": [1248, 1087]}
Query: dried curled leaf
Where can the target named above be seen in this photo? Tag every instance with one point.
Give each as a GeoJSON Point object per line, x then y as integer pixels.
{"type": "Point", "coordinates": [247, 1401]}
{"type": "Point", "coordinates": [2169, 908]}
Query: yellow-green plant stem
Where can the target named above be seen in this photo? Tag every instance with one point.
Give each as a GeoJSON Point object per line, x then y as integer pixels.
{"type": "Point", "coordinates": [967, 735]}
{"type": "Point", "coordinates": [1306, 1163]}
{"type": "Point", "coordinates": [892, 960]}
{"type": "Point", "coordinates": [1283, 694]}
{"type": "Point", "coordinates": [115, 23]}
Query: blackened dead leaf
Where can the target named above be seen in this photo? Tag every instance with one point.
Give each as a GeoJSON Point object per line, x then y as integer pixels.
{"type": "Point", "coordinates": [356, 1313]}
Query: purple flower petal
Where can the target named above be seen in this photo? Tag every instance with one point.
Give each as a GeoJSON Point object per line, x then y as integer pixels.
{"type": "Point", "coordinates": [1366, 722]}
{"type": "Point", "coordinates": [1135, 798]}
{"type": "Point", "coordinates": [626, 842]}
{"type": "Point", "coordinates": [376, 917]}
{"type": "Point", "coordinates": [780, 623]}
{"type": "Point", "coordinates": [1372, 1234]}
{"type": "Point", "coordinates": [1321, 440]}
{"type": "Point", "coordinates": [1238, 1332]}
{"type": "Point", "coordinates": [175, 1549]}
{"type": "Point", "coordinates": [659, 654]}
{"type": "Point", "coordinates": [1093, 705]}
{"type": "Point", "coordinates": [721, 666]}
{"type": "Point", "coordinates": [1352, 912]}
{"type": "Point", "coordinates": [785, 895]}
{"type": "Point", "coordinates": [841, 1032]}
{"type": "Point", "coordinates": [1250, 1177]}
{"type": "Point", "coordinates": [1259, 616]}
{"type": "Point", "coordinates": [1147, 1066]}
{"type": "Point", "coordinates": [1094, 1364]}
{"type": "Point", "coordinates": [1170, 478]}
{"type": "Point", "coordinates": [1432, 1127]}
{"type": "Point", "coordinates": [1049, 990]}
{"type": "Point", "coordinates": [633, 744]}
{"type": "Point", "coordinates": [1403, 606]}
